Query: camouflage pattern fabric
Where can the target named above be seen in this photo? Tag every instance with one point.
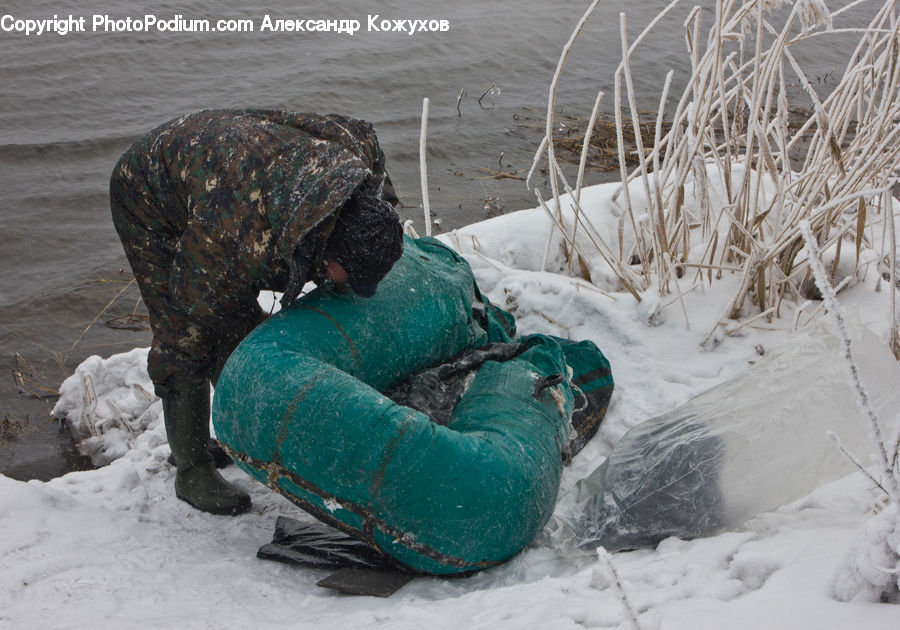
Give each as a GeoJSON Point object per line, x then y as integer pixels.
{"type": "Point", "coordinates": [211, 208]}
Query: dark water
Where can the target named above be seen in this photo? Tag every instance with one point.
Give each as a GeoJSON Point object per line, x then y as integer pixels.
{"type": "Point", "coordinates": [69, 105]}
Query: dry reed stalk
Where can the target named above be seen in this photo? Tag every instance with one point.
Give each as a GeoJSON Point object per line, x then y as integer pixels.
{"type": "Point", "coordinates": [423, 170]}
{"type": "Point", "coordinates": [582, 163]}
{"type": "Point", "coordinates": [100, 314]}
{"type": "Point", "coordinates": [895, 328]}
{"type": "Point", "coordinates": [23, 373]}
{"type": "Point", "coordinates": [624, 274]}
{"type": "Point", "coordinates": [616, 583]}
{"type": "Point", "coordinates": [550, 105]}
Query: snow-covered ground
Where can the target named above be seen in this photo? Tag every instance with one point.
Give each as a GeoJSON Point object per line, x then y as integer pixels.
{"type": "Point", "coordinates": [113, 547]}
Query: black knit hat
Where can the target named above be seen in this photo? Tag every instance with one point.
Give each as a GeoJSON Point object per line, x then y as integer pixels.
{"type": "Point", "coordinates": [367, 240]}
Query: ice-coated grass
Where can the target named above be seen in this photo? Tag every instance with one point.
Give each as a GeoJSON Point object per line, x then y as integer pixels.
{"type": "Point", "coordinates": [873, 570]}
{"type": "Point", "coordinates": [834, 169]}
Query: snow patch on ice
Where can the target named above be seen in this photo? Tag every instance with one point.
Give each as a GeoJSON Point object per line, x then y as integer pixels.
{"type": "Point", "coordinates": [114, 547]}
{"type": "Point", "coordinates": [870, 570]}
{"type": "Point", "coordinates": [108, 403]}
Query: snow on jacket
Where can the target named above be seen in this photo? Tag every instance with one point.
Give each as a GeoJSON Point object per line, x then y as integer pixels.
{"type": "Point", "coordinates": [211, 208]}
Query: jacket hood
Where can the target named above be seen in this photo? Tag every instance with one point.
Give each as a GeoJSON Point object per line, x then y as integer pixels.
{"type": "Point", "coordinates": [308, 182]}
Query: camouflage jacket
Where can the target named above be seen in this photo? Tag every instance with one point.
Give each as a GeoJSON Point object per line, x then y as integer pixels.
{"type": "Point", "coordinates": [222, 198]}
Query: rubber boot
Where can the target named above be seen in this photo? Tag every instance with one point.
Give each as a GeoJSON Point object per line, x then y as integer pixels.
{"type": "Point", "coordinates": [197, 482]}
{"type": "Point", "coordinates": [220, 457]}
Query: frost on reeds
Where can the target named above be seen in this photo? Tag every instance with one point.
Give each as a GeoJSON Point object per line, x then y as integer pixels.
{"type": "Point", "coordinates": [734, 138]}
{"type": "Point", "coordinates": [872, 568]}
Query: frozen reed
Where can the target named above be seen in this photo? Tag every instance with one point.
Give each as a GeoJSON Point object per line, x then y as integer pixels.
{"type": "Point", "coordinates": [735, 137]}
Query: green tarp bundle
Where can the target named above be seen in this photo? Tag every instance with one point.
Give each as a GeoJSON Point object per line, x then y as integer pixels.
{"type": "Point", "coordinates": [299, 407]}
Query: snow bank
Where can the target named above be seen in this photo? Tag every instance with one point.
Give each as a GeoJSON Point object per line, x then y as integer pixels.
{"type": "Point", "coordinates": [113, 547]}
{"type": "Point", "coordinates": [107, 403]}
